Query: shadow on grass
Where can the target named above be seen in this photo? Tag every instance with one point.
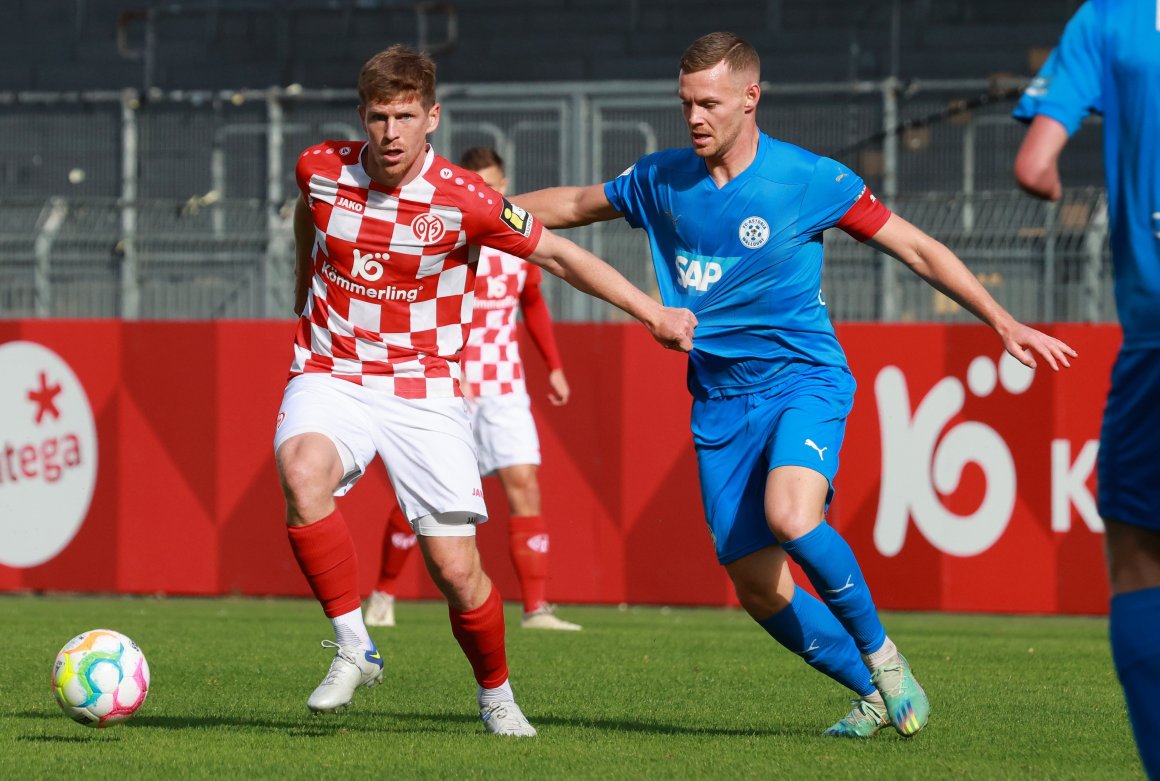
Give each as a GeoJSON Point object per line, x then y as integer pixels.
{"type": "Point", "coordinates": [102, 736]}
{"type": "Point", "coordinates": [623, 725]}
{"type": "Point", "coordinates": [307, 726]}
{"type": "Point", "coordinates": [377, 721]}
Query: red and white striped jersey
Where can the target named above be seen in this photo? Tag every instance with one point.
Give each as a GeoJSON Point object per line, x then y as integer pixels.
{"type": "Point", "coordinates": [390, 302]}
{"type": "Point", "coordinates": [491, 360]}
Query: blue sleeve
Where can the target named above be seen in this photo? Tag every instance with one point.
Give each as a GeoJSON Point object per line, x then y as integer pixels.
{"type": "Point", "coordinates": [1067, 87]}
{"type": "Point", "coordinates": [626, 193]}
{"type": "Point", "coordinates": [832, 190]}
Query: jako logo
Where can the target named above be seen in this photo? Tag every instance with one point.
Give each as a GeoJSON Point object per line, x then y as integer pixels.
{"type": "Point", "coordinates": [48, 454]}
{"type": "Point", "coordinates": [538, 543]}
{"type": "Point", "coordinates": [915, 471]}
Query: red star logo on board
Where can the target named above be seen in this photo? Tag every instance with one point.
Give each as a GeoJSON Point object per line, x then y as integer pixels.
{"type": "Point", "coordinates": [45, 399]}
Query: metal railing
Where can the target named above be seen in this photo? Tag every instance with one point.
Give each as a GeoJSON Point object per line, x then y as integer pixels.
{"type": "Point", "coordinates": [178, 204]}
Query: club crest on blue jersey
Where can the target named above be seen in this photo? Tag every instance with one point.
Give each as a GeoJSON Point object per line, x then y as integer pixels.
{"type": "Point", "coordinates": [754, 232]}
{"type": "Point", "coordinates": [696, 273]}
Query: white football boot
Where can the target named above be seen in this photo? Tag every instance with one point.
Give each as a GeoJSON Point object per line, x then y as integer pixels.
{"type": "Point", "coordinates": [380, 610]}
{"type": "Point", "coordinates": [506, 718]}
{"type": "Point", "coordinates": [544, 617]}
{"type": "Point", "coordinates": [353, 666]}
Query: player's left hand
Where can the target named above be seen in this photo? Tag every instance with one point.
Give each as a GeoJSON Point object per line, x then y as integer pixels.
{"type": "Point", "coordinates": [674, 328]}
{"type": "Point", "coordinates": [560, 392]}
{"type": "Point", "coordinates": [1025, 343]}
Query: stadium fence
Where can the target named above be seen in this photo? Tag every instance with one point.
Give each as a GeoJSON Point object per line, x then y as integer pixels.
{"type": "Point", "coordinates": [178, 204]}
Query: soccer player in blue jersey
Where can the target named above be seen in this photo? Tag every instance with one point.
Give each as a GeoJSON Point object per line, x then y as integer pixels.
{"type": "Point", "coordinates": [1108, 62]}
{"type": "Point", "coordinates": [735, 225]}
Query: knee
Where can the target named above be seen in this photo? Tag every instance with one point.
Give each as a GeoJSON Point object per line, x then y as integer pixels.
{"type": "Point", "coordinates": [301, 480]}
{"type": "Point", "coordinates": [789, 523]}
{"type": "Point", "coordinates": [523, 492]}
{"type": "Point", "coordinates": [760, 602]}
{"type": "Point", "coordinates": [308, 483]}
{"type": "Point", "coordinates": [458, 577]}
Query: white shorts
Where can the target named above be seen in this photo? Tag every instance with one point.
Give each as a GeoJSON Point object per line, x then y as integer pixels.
{"type": "Point", "coordinates": [425, 444]}
{"type": "Point", "coordinates": [505, 434]}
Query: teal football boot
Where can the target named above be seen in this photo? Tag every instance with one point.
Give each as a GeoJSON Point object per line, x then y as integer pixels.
{"type": "Point", "coordinates": [907, 706]}
{"type": "Point", "coordinates": [862, 721]}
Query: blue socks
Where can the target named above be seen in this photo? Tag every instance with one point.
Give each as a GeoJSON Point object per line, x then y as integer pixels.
{"type": "Point", "coordinates": [809, 629]}
{"type": "Point", "coordinates": [1135, 630]}
{"type": "Point", "coordinates": [830, 565]}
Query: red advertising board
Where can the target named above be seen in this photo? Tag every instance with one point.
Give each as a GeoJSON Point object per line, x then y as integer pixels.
{"type": "Point", "coordinates": [137, 458]}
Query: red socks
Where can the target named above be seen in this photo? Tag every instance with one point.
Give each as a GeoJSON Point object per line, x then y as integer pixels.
{"type": "Point", "coordinates": [480, 635]}
{"type": "Point", "coordinates": [398, 543]}
{"type": "Point", "coordinates": [529, 548]}
{"type": "Point", "coordinates": [326, 556]}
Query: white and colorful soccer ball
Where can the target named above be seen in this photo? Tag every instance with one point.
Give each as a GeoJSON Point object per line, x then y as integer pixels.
{"type": "Point", "coordinates": [100, 678]}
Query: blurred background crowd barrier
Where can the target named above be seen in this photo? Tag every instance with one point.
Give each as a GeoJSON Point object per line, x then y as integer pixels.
{"type": "Point", "coordinates": [177, 204]}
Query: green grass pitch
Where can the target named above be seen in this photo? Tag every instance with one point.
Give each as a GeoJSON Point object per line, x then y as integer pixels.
{"type": "Point", "coordinates": [640, 693]}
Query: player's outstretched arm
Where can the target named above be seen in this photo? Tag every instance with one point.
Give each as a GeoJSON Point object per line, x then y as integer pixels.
{"type": "Point", "coordinates": [568, 207]}
{"type": "Point", "coordinates": [538, 321]}
{"type": "Point", "coordinates": [303, 250]}
{"type": "Point", "coordinates": [943, 270]}
{"type": "Point", "coordinates": [1037, 163]}
{"type": "Point", "coordinates": [672, 327]}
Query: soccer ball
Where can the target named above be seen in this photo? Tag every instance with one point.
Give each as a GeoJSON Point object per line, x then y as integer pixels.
{"type": "Point", "coordinates": [100, 678]}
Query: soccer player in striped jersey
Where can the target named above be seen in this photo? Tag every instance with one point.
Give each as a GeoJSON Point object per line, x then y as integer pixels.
{"type": "Point", "coordinates": [501, 418]}
{"type": "Point", "coordinates": [1108, 62]}
{"type": "Point", "coordinates": [735, 228]}
{"type": "Point", "coordinates": [387, 236]}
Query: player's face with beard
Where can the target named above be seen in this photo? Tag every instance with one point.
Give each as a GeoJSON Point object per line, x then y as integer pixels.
{"type": "Point", "coordinates": [397, 131]}
{"type": "Point", "coordinates": [714, 103]}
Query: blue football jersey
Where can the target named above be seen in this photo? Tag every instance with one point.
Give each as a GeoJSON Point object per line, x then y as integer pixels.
{"type": "Point", "coordinates": [746, 258]}
{"type": "Point", "coordinates": [1108, 62]}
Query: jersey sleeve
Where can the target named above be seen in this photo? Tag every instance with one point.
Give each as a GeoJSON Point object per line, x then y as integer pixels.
{"type": "Point", "coordinates": [538, 319]}
{"type": "Point", "coordinates": [866, 217]}
{"type": "Point", "coordinates": [832, 192]}
{"type": "Point", "coordinates": [502, 225]}
{"type": "Point", "coordinates": [627, 192]}
{"type": "Point", "coordinates": [1067, 87]}
{"type": "Point", "coordinates": [302, 172]}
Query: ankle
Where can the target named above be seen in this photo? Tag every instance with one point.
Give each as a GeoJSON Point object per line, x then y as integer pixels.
{"type": "Point", "coordinates": [501, 693]}
{"type": "Point", "coordinates": [885, 653]}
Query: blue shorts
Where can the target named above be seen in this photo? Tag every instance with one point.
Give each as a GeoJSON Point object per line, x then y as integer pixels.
{"type": "Point", "coordinates": [1129, 460]}
{"type": "Point", "coordinates": [739, 439]}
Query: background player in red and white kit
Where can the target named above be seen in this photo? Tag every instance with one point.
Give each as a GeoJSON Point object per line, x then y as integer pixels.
{"type": "Point", "coordinates": [386, 236]}
{"type": "Point", "coordinates": [501, 418]}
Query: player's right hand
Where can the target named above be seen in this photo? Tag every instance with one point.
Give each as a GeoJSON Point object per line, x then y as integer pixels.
{"type": "Point", "coordinates": [674, 327]}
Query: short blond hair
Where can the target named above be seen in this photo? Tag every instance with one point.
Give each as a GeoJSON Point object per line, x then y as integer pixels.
{"type": "Point", "coordinates": [733, 50]}
{"type": "Point", "coordinates": [397, 72]}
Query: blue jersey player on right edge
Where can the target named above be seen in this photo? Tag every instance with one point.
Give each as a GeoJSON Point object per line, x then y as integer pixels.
{"type": "Point", "coordinates": [735, 226]}
{"type": "Point", "coordinates": [1108, 62]}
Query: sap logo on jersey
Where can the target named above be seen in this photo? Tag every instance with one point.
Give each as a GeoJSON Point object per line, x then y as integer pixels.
{"type": "Point", "coordinates": [48, 454]}
{"type": "Point", "coordinates": [696, 273]}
